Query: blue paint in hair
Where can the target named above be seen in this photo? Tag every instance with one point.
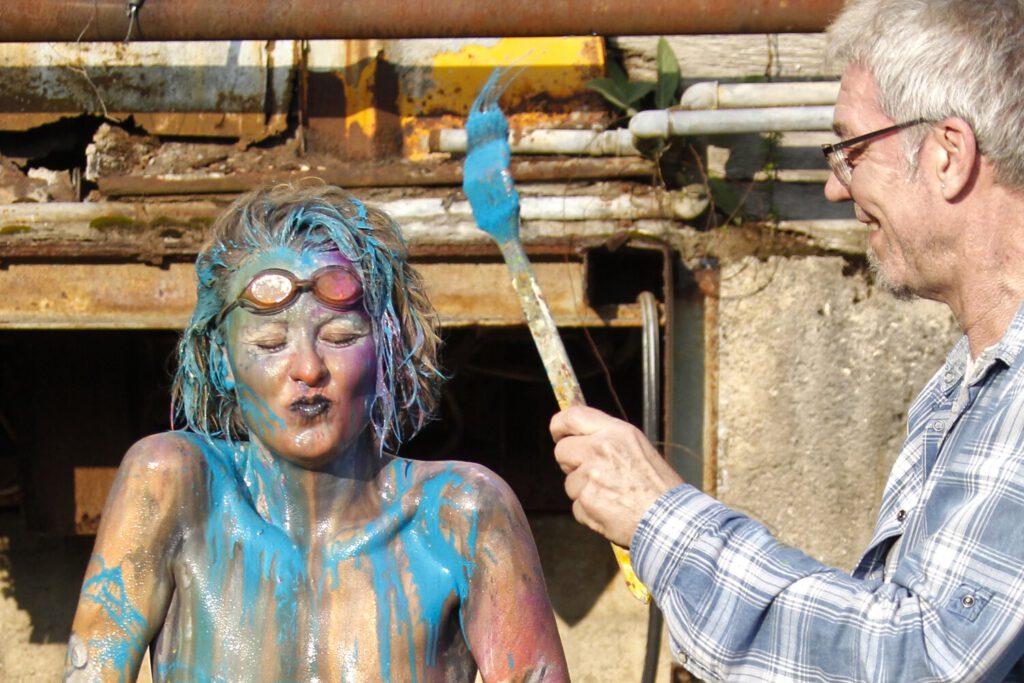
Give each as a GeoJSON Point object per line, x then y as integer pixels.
{"type": "Point", "coordinates": [320, 226]}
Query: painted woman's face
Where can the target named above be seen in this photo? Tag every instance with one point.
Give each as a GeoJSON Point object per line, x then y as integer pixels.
{"type": "Point", "coordinates": [304, 375]}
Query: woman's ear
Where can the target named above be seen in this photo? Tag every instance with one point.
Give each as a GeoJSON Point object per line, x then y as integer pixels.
{"type": "Point", "coordinates": [220, 365]}
{"type": "Point", "coordinates": [955, 160]}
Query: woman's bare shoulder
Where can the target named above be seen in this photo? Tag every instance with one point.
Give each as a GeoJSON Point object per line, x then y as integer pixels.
{"type": "Point", "coordinates": [469, 486]}
{"type": "Point", "coordinates": [168, 457]}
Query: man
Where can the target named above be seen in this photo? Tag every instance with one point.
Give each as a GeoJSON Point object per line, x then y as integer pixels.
{"type": "Point", "coordinates": [930, 113]}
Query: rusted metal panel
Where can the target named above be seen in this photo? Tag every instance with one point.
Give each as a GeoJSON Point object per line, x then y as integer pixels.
{"type": "Point", "coordinates": [91, 487]}
{"type": "Point", "coordinates": [239, 88]}
{"type": "Point", "coordinates": [386, 174]}
{"type": "Point", "coordinates": [106, 20]}
{"type": "Point", "coordinates": [373, 98]}
{"type": "Point", "coordinates": [136, 296]}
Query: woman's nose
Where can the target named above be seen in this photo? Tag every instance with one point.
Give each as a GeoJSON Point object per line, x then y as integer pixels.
{"type": "Point", "coordinates": [308, 365]}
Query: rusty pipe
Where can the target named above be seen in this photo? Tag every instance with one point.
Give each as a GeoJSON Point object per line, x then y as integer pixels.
{"type": "Point", "coordinates": [108, 20]}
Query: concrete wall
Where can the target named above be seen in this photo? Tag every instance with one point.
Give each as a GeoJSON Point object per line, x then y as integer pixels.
{"type": "Point", "coordinates": [817, 371]}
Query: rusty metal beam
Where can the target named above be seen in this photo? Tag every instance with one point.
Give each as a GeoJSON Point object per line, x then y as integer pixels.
{"type": "Point", "coordinates": [106, 20]}
{"type": "Point", "coordinates": [133, 296]}
{"type": "Point", "coordinates": [368, 174]}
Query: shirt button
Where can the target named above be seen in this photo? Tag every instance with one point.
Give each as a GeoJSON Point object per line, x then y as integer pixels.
{"type": "Point", "coordinates": [682, 657]}
{"type": "Point", "coordinates": [901, 515]}
{"type": "Point", "coordinates": [967, 601]}
{"type": "Point", "coordinates": [938, 425]}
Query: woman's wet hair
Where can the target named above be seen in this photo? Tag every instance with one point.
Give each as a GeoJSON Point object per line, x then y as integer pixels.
{"type": "Point", "coordinates": [314, 217]}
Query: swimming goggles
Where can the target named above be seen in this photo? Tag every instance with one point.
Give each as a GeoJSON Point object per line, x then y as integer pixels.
{"type": "Point", "coordinates": [273, 290]}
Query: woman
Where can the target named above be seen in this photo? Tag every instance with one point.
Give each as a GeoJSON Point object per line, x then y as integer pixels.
{"type": "Point", "coordinates": [278, 538]}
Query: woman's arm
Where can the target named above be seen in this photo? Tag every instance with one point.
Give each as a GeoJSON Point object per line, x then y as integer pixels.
{"type": "Point", "coordinates": [507, 616]}
{"type": "Point", "coordinates": [128, 583]}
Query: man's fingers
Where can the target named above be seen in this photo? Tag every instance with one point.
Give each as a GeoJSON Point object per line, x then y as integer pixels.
{"type": "Point", "coordinates": [569, 453]}
{"type": "Point", "coordinates": [574, 483]}
{"type": "Point", "coordinates": [578, 421]}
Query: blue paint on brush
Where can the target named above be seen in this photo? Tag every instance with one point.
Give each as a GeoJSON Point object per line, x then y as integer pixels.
{"type": "Point", "coordinates": [486, 178]}
{"type": "Point", "coordinates": [106, 588]}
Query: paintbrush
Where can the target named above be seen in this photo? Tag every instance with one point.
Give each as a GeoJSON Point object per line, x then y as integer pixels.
{"type": "Point", "coordinates": [488, 185]}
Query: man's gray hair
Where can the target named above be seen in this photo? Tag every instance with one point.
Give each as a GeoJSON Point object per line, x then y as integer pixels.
{"type": "Point", "coordinates": [933, 59]}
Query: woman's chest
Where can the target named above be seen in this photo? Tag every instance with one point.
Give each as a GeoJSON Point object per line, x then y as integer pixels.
{"type": "Point", "coordinates": [353, 606]}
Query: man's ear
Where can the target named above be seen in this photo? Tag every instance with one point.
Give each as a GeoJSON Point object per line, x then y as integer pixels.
{"type": "Point", "coordinates": [956, 160]}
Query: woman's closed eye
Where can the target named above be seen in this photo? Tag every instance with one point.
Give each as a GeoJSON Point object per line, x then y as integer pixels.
{"type": "Point", "coordinates": [269, 344]}
{"type": "Point", "coordinates": [345, 331]}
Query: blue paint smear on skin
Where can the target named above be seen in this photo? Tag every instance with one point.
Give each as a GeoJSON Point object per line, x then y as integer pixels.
{"type": "Point", "coordinates": [106, 588]}
{"type": "Point", "coordinates": [235, 532]}
{"type": "Point", "coordinates": [433, 560]}
{"type": "Point", "coordinates": [261, 418]}
{"type": "Point", "coordinates": [487, 180]}
{"type": "Point", "coordinates": [511, 662]}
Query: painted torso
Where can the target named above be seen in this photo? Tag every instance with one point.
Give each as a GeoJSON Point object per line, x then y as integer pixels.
{"type": "Point", "coordinates": [372, 592]}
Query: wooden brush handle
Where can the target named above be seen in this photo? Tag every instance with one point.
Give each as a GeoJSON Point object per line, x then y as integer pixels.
{"type": "Point", "coordinates": [556, 364]}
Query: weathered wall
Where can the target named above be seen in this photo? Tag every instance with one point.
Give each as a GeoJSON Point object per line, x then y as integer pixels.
{"type": "Point", "coordinates": [817, 371]}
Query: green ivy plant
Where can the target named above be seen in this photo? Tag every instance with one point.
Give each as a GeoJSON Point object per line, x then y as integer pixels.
{"type": "Point", "coordinates": [628, 95]}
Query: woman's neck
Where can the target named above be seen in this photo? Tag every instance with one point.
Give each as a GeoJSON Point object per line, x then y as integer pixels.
{"type": "Point", "coordinates": [303, 501]}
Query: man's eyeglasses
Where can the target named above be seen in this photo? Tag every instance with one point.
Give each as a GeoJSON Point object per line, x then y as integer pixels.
{"type": "Point", "coordinates": [273, 290]}
{"type": "Point", "coordinates": [839, 161]}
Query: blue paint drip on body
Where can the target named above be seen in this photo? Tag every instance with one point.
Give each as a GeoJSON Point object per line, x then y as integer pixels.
{"type": "Point", "coordinates": [433, 560]}
{"type": "Point", "coordinates": [268, 556]}
{"type": "Point", "coordinates": [106, 588]}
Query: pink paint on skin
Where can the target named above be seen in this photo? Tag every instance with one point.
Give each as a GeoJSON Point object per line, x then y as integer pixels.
{"type": "Point", "coordinates": [313, 367]}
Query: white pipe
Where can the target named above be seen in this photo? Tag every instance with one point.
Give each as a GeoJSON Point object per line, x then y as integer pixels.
{"type": "Point", "coordinates": [681, 123]}
{"type": "Point", "coordinates": [714, 95]}
{"type": "Point", "coordinates": [617, 142]}
{"type": "Point", "coordinates": [684, 204]}
{"type": "Point", "coordinates": [662, 123]}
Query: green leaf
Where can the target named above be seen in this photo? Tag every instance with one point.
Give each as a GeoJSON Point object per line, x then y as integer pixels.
{"type": "Point", "coordinates": [726, 197]}
{"type": "Point", "coordinates": [621, 94]}
{"type": "Point", "coordinates": [667, 90]}
{"type": "Point", "coordinates": [617, 73]}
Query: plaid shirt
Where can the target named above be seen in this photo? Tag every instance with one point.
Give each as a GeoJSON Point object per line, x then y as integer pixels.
{"type": "Point", "coordinates": [939, 594]}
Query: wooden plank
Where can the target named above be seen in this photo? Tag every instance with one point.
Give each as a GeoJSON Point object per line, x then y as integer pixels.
{"type": "Point", "coordinates": [91, 487]}
{"type": "Point", "coordinates": [136, 296]}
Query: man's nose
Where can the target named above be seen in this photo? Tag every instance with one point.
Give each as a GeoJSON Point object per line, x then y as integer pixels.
{"type": "Point", "coordinates": [835, 191]}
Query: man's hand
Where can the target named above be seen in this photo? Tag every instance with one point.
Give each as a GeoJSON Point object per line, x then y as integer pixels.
{"type": "Point", "coordinates": [613, 473]}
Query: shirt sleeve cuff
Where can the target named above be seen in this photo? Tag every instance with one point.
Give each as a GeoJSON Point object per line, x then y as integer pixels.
{"type": "Point", "coordinates": [667, 531]}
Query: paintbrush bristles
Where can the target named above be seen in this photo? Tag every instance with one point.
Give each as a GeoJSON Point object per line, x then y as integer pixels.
{"type": "Point", "coordinates": [486, 179]}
